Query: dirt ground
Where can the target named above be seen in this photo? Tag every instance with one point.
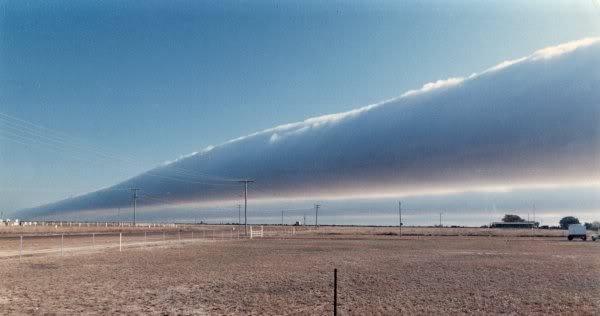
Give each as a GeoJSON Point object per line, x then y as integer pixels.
{"type": "Point", "coordinates": [377, 274]}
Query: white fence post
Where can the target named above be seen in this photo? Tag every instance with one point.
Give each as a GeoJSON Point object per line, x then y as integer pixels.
{"type": "Point", "coordinates": [120, 241]}
{"type": "Point", "coordinates": [20, 246]}
{"type": "Point", "coordinates": [62, 242]}
{"type": "Point", "coordinates": [251, 232]}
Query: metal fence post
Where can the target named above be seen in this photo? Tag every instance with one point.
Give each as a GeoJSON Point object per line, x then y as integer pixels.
{"type": "Point", "coordinates": [334, 292]}
{"type": "Point", "coordinates": [164, 238]}
{"type": "Point", "coordinates": [120, 241]}
{"type": "Point", "coordinates": [192, 234]}
{"type": "Point", "coordinates": [93, 239]}
{"type": "Point", "coordinates": [145, 237]}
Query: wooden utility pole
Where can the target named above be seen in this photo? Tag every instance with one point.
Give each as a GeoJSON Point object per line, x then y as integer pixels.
{"type": "Point", "coordinates": [400, 217]}
{"type": "Point", "coordinates": [245, 182]}
{"type": "Point", "coordinates": [135, 197]}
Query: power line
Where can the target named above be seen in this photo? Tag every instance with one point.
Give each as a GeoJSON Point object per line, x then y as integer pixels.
{"type": "Point", "coordinates": [156, 199]}
{"type": "Point", "coordinates": [29, 134]}
{"type": "Point", "coordinates": [40, 135]}
{"type": "Point", "coordinates": [273, 194]}
{"type": "Point", "coordinates": [291, 211]}
{"type": "Point", "coordinates": [288, 210]}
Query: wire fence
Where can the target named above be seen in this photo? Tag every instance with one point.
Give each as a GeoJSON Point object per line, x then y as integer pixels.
{"type": "Point", "coordinates": [23, 241]}
{"type": "Point", "coordinates": [32, 244]}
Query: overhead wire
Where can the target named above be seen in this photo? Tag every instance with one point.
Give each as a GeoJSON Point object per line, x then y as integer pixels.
{"type": "Point", "coordinates": [33, 134]}
{"type": "Point", "coordinates": [56, 138]}
{"type": "Point", "coordinates": [27, 133]}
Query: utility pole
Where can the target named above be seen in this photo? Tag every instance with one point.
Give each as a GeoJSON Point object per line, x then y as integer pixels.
{"type": "Point", "coordinates": [317, 215]}
{"type": "Point", "coordinates": [281, 218]}
{"type": "Point", "coordinates": [400, 217]}
{"type": "Point", "coordinates": [304, 222]}
{"type": "Point", "coordinates": [135, 197]}
{"type": "Point", "coordinates": [441, 219]}
{"type": "Point", "coordinates": [533, 216]}
{"type": "Point", "coordinates": [245, 182]}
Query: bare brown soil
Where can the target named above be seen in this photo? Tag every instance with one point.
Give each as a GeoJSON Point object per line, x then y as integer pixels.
{"type": "Point", "coordinates": [378, 274]}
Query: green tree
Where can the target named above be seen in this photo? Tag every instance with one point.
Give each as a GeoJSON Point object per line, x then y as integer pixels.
{"type": "Point", "coordinates": [566, 221]}
{"type": "Point", "coordinates": [592, 226]}
{"type": "Point", "coordinates": [510, 218]}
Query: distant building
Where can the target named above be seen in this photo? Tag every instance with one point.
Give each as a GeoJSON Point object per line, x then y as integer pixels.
{"type": "Point", "coordinates": [526, 224]}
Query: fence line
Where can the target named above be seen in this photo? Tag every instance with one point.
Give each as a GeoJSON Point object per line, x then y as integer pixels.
{"type": "Point", "coordinates": [39, 244]}
{"type": "Point", "coordinates": [16, 223]}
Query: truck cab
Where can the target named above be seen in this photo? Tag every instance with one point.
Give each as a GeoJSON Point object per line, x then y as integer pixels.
{"type": "Point", "coordinates": [577, 231]}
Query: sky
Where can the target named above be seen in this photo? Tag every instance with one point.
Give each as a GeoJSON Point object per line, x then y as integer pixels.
{"type": "Point", "coordinates": [139, 84]}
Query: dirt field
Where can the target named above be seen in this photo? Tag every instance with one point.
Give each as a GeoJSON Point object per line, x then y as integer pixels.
{"type": "Point", "coordinates": [378, 274]}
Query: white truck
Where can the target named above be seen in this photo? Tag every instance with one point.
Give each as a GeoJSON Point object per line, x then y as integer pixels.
{"type": "Point", "coordinates": [577, 231]}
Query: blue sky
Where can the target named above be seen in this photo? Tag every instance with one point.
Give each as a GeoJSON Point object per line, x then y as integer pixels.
{"type": "Point", "coordinates": [154, 80]}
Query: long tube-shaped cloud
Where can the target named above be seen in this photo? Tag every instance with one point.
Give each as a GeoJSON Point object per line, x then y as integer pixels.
{"type": "Point", "coordinates": [531, 121]}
